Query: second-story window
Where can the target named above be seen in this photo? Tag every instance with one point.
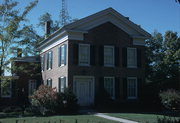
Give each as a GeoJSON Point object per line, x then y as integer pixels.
{"type": "Point", "coordinates": [49, 60]}
{"type": "Point", "coordinates": [131, 57]}
{"type": "Point", "coordinates": [62, 55]}
{"type": "Point", "coordinates": [108, 56]}
{"type": "Point", "coordinates": [84, 54]}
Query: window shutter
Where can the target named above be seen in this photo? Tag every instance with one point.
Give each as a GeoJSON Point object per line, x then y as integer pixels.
{"type": "Point", "coordinates": [101, 55]}
{"type": "Point", "coordinates": [59, 85]}
{"type": "Point", "coordinates": [65, 53]}
{"type": "Point", "coordinates": [124, 59]}
{"type": "Point", "coordinates": [64, 82]}
{"type": "Point", "coordinates": [139, 87]}
{"type": "Point", "coordinates": [92, 55]}
{"type": "Point", "coordinates": [59, 56]}
{"type": "Point", "coordinates": [116, 56]}
{"type": "Point", "coordinates": [47, 60]}
{"type": "Point", "coordinates": [50, 83]}
{"type": "Point", "coordinates": [51, 59]}
{"type": "Point", "coordinates": [117, 87]}
{"type": "Point", "coordinates": [75, 53]}
{"type": "Point", "coordinates": [101, 84]}
{"type": "Point", "coordinates": [125, 88]}
{"type": "Point", "coordinates": [139, 57]}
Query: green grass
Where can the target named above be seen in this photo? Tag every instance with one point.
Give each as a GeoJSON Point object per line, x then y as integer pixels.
{"type": "Point", "coordinates": [142, 118]}
{"type": "Point", "coordinates": [56, 119]}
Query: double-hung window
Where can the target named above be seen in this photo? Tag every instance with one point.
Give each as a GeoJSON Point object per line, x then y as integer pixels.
{"type": "Point", "coordinates": [49, 59]}
{"type": "Point", "coordinates": [132, 87]}
{"type": "Point", "coordinates": [84, 54]}
{"type": "Point", "coordinates": [109, 86]}
{"type": "Point", "coordinates": [131, 57]}
{"type": "Point", "coordinates": [6, 88]}
{"type": "Point", "coordinates": [49, 82]}
{"type": "Point", "coordinates": [108, 55]}
{"type": "Point", "coordinates": [62, 84]}
{"type": "Point", "coordinates": [62, 55]}
{"type": "Point", "coordinates": [42, 62]}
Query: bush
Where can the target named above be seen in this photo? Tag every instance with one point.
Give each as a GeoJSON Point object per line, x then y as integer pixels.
{"type": "Point", "coordinates": [7, 110]}
{"type": "Point", "coordinates": [170, 99]}
{"type": "Point", "coordinates": [45, 100]}
{"type": "Point", "coordinates": [166, 119]}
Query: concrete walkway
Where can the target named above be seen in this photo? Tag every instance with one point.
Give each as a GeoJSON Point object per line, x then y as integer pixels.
{"type": "Point", "coordinates": [114, 118]}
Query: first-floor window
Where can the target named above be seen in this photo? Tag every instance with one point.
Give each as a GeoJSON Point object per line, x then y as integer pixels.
{"type": "Point", "coordinates": [62, 84]}
{"type": "Point", "coordinates": [109, 86]}
{"type": "Point", "coordinates": [32, 87]}
{"type": "Point", "coordinates": [132, 87]}
{"type": "Point", "coordinates": [5, 88]}
{"type": "Point", "coordinates": [49, 82]}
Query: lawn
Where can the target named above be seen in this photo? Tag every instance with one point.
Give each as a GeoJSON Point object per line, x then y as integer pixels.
{"type": "Point", "coordinates": [142, 118]}
{"type": "Point", "coordinates": [58, 119]}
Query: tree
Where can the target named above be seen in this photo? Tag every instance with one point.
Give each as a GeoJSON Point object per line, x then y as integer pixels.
{"type": "Point", "coordinates": [163, 58]}
{"type": "Point", "coordinates": [12, 34]}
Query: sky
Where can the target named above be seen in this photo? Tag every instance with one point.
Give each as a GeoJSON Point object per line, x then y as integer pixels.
{"type": "Point", "coordinates": [159, 15]}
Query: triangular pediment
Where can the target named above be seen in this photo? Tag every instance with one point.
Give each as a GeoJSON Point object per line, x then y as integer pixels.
{"type": "Point", "coordinates": [108, 15]}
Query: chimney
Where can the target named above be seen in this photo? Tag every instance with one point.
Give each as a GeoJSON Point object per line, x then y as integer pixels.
{"type": "Point", "coordinates": [47, 28]}
{"type": "Point", "coordinates": [19, 52]}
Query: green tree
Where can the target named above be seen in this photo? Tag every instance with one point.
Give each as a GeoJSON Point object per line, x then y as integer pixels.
{"type": "Point", "coordinates": [12, 30]}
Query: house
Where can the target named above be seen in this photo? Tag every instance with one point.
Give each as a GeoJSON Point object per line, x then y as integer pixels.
{"type": "Point", "coordinates": [24, 80]}
{"type": "Point", "coordinates": [104, 50]}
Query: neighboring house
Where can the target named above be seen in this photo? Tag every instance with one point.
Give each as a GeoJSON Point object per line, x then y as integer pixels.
{"type": "Point", "coordinates": [25, 79]}
{"type": "Point", "coordinates": [104, 50]}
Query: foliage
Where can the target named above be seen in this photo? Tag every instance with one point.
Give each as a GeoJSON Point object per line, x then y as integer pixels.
{"type": "Point", "coordinates": [45, 100]}
{"type": "Point", "coordinates": [48, 101]}
{"type": "Point", "coordinates": [171, 99]}
{"type": "Point", "coordinates": [166, 119]}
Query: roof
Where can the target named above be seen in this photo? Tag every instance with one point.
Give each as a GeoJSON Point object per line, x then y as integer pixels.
{"type": "Point", "coordinates": [27, 59]}
{"type": "Point", "coordinates": [107, 15]}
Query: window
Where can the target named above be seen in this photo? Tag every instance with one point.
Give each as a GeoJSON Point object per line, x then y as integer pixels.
{"type": "Point", "coordinates": [108, 56]}
{"type": "Point", "coordinates": [49, 60]}
{"type": "Point", "coordinates": [109, 86]}
{"type": "Point", "coordinates": [62, 84]}
{"type": "Point", "coordinates": [132, 87]}
{"type": "Point", "coordinates": [84, 54]}
{"type": "Point", "coordinates": [131, 57]}
{"type": "Point", "coordinates": [32, 87]}
{"type": "Point", "coordinates": [62, 55]}
{"type": "Point", "coordinates": [42, 63]}
{"type": "Point", "coordinates": [5, 88]}
{"type": "Point", "coordinates": [49, 82]}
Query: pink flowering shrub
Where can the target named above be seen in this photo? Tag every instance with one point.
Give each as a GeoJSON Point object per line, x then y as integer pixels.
{"type": "Point", "coordinates": [45, 100]}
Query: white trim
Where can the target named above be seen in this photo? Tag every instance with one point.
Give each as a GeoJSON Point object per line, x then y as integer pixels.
{"type": "Point", "coordinates": [81, 64]}
{"type": "Point", "coordinates": [136, 88]}
{"type": "Point", "coordinates": [134, 66]}
{"type": "Point", "coordinates": [85, 77]}
{"type": "Point", "coordinates": [61, 40]}
{"type": "Point", "coordinates": [108, 65]}
{"type": "Point", "coordinates": [113, 97]}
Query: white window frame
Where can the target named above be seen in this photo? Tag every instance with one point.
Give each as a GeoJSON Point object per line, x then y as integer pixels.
{"type": "Point", "coordinates": [7, 96]}
{"type": "Point", "coordinates": [128, 64]}
{"type": "Point", "coordinates": [88, 61]}
{"type": "Point", "coordinates": [105, 64]}
{"type": "Point", "coordinates": [65, 54]}
{"type": "Point", "coordinates": [29, 83]}
{"type": "Point", "coordinates": [51, 82]}
{"type": "Point", "coordinates": [132, 97]}
{"type": "Point", "coordinates": [66, 85]}
{"type": "Point", "coordinates": [113, 96]}
{"type": "Point", "coordinates": [43, 63]}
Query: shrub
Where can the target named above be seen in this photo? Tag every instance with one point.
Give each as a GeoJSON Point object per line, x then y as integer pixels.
{"type": "Point", "coordinates": [166, 119]}
{"type": "Point", "coordinates": [7, 110]}
{"type": "Point", "coordinates": [170, 99]}
{"type": "Point", "coordinates": [45, 100]}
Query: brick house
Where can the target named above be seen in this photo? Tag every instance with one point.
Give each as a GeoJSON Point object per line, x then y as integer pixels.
{"type": "Point", "coordinates": [104, 50]}
{"type": "Point", "coordinates": [23, 81]}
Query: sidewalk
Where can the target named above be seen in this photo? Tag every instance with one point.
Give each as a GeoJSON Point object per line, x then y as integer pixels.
{"type": "Point", "coordinates": [114, 118]}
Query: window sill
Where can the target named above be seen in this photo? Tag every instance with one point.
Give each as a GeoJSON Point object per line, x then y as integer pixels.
{"type": "Point", "coordinates": [5, 96]}
{"type": "Point", "coordinates": [109, 66]}
{"type": "Point", "coordinates": [131, 66]}
{"type": "Point", "coordinates": [132, 98]}
{"type": "Point", "coordinates": [84, 65]}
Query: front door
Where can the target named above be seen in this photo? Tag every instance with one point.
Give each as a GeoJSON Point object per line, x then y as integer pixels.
{"type": "Point", "coordinates": [84, 90]}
